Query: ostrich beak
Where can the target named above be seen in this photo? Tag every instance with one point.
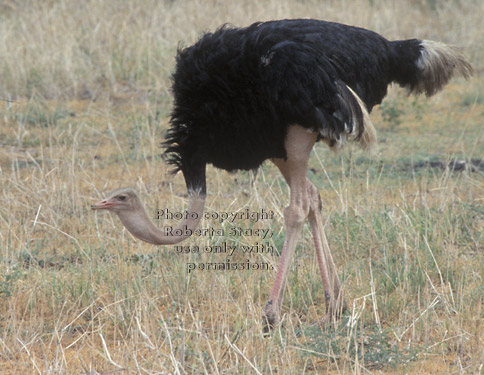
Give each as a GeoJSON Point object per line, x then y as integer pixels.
{"type": "Point", "coordinates": [102, 205]}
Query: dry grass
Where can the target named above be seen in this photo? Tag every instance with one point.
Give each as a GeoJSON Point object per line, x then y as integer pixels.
{"type": "Point", "coordinates": [88, 84]}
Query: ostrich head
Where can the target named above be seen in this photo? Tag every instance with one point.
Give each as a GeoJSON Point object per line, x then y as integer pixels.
{"type": "Point", "coordinates": [120, 200]}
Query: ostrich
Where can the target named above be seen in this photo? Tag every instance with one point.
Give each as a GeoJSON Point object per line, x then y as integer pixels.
{"type": "Point", "coordinates": [270, 91]}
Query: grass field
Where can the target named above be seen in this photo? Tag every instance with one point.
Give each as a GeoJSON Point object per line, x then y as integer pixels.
{"type": "Point", "coordinates": [84, 104]}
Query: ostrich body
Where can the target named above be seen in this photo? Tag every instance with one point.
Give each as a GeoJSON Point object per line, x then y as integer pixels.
{"type": "Point", "coordinates": [270, 91]}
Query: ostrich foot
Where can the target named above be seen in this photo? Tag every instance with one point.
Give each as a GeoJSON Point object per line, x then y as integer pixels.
{"type": "Point", "coordinates": [334, 310]}
{"type": "Point", "coordinates": [270, 317]}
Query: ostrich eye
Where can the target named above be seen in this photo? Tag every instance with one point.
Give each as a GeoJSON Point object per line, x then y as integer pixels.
{"type": "Point", "coordinates": [122, 197]}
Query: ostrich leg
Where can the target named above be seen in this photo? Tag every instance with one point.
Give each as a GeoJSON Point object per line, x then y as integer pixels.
{"type": "Point", "coordinates": [305, 202]}
{"type": "Point", "coordinates": [335, 304]}
{"type": "Point", "coordinates": [299, 143]}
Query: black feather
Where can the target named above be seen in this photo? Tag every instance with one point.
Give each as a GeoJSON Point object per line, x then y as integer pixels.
{"type": "Point", "coordinates": [237, 90]}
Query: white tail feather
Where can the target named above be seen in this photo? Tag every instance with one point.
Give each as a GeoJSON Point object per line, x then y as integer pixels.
{"type": "Point", "coordinates": [368, 139]}
{"type": "Point", "coordinates": [438, 62]}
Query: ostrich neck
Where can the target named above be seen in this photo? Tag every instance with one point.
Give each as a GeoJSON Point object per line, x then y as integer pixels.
{"type": "Point", "coordinates": [141, 226]}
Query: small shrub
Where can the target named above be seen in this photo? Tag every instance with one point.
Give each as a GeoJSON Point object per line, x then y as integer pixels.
{"type": "Point", "coordinates": [392, 112]}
